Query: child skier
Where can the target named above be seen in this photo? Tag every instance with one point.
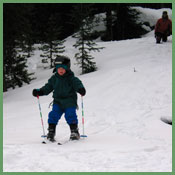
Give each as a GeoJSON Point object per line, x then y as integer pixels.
{"type": "Point", "coordinates": [64, 86]}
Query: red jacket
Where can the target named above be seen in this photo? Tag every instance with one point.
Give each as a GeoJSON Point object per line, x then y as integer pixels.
{"type": "Point", "coordinates": [163, 26]}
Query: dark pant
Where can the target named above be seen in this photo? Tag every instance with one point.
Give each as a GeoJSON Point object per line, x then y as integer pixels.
{"type": "Point", "coordinates": [56, 113]}
{"type": "Point", "coordinates": [161, 36]}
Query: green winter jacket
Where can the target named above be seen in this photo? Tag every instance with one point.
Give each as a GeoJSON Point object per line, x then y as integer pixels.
{"type": "Point", "coordinates": [64, 89]}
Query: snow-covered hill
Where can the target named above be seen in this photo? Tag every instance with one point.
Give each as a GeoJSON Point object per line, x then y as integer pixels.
{"type": "Point", "coordinates": [122, 110]}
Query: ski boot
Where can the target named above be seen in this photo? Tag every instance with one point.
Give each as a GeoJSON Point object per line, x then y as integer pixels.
{"type": "Point", "coordinates": [74, 132]}
{"type": "Point", "coordinates": [51, 133]}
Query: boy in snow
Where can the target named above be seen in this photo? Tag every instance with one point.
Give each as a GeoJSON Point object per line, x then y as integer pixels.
{"type": "Point", "coordinates": [163, 28]}
{"type": "Point", "coordinates": [65, 87]}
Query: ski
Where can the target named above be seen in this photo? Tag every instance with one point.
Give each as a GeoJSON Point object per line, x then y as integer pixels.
{"type": "Point", "coordinates": [45, 141]}
{"type": "Point", "coordinates": [71, 141]}
{"type": "Point", "coordinates": [48, 142]}
{"type": "Point", "coordinates": [62, 143]}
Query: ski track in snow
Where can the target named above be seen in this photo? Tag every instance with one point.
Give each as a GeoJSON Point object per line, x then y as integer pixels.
{"type": "Point", "coordinates": [122, 116]}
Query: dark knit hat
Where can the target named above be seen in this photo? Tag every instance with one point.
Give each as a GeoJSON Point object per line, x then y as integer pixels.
{"type": "Point", "coordinates": [62, 60]}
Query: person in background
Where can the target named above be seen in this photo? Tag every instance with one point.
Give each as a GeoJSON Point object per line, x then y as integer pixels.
{"type": "Point", "coordinates": [163, 28]}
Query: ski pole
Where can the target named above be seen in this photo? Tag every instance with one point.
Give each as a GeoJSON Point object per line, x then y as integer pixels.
{"type": "Point", "coordinates": [42, 123]}
{"type": "Point", "coordinates": [82, 108]}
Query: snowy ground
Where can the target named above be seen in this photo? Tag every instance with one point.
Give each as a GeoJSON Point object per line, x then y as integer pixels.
{"type": "Point", "coordinates": [122, 115]}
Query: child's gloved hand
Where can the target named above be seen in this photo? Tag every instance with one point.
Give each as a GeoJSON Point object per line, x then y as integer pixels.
{"type": "Point", "coordinates": [82, 91]}
{"type": "Point", "coordinates": [37, 92]}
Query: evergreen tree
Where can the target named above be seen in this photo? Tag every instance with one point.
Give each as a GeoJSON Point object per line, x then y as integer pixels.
{"type": "Point", "coordinates": [14, 55]}
{"type": "Point", "coordinates": [122, 22]}
{"type": "Point", "coordinates": [26, 40]}
{"type": "Point", "coordinates": [83, 18]}
{"type": "Point", "coordinates": [126, 24]}
{"type": "Point", "coordinates": [26, 44]}
{"type": "Point", "coordinates": [53, 45]}
{"type": "Point", "coordinates": [110, 18]}
{"type": "Point", "coordinates": [15, 68]}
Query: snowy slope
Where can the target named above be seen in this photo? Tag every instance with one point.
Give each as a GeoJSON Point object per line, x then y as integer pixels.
{"type": "Point", "coordinates": [122, 114]}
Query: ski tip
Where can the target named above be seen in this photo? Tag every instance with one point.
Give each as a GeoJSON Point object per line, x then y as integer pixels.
{"type": "Point", "coordinates": [83, 135]}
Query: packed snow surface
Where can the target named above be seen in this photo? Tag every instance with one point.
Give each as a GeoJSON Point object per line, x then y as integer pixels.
{"type": "Point", "coordinates": [126, 97]}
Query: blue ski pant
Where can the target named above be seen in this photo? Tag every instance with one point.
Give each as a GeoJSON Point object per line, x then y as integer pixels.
{"type": "Point", "coordinates": [57, 112]}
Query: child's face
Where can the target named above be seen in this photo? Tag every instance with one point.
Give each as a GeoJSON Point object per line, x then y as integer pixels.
{"type": "Point", "coordinates": [61, 71]}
